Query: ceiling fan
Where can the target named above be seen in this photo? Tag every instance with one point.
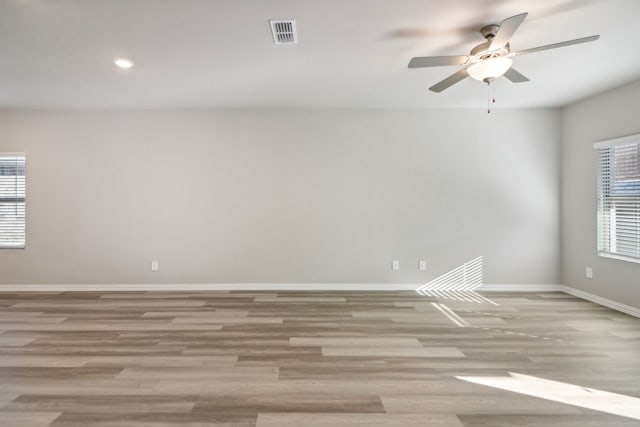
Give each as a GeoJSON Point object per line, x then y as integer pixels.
{"type": "Point", "coordinates": [491, 59]}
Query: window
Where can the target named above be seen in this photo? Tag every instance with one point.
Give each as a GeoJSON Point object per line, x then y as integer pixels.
{"type": "Point", "coordinates": [619, 198]}
{"type": "Point", "coordinates": [12, 200]}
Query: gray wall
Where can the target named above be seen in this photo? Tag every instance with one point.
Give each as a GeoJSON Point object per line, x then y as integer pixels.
{"type": "Point", "coordinates": [612, 114]}
{"type": "Point", "coordinates": [286, 196]}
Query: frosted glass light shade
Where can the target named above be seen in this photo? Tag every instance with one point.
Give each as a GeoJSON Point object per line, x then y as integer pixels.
{"type": "Point", "coordinates": [490, 68]}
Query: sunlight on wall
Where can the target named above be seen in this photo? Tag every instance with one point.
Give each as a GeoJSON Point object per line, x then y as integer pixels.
{"type": "Point", "coordinates": [458, 284]}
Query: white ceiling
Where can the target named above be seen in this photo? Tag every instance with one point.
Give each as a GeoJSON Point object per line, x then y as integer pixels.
{"type": "Point", "coordinates": [352, 53]}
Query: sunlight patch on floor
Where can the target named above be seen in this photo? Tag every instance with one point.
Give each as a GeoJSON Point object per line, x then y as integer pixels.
{"type": "Point", "coordinates": [590, 398]}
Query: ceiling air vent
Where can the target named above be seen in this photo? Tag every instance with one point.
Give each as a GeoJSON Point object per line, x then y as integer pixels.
{"type": "Point", "coordinates": [284, 31]}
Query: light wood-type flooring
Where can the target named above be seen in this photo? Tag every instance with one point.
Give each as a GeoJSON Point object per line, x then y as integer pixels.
{"type": "Point", "coordinates": [328, 359]}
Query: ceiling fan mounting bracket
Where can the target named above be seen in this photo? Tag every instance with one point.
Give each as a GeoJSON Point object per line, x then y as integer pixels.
{"type": "Point", "coordinates": [489, 31]}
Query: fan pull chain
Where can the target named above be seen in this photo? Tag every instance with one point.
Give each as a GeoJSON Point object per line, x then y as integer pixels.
{"type": "Point", "coordinates": [491, 98]}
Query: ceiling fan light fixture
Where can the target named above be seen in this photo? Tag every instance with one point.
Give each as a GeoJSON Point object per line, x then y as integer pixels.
{"type": "Point", "coordinates": [490, 69]}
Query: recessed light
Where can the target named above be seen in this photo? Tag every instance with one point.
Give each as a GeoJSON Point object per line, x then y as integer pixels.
{"type": "Point", "coordinates": [123, 63]}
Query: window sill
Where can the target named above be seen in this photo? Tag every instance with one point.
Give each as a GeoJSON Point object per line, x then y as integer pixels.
{"type": "Point", "coordinates": [12, 247]}
{"type": "Point", "coordinates": [619, 257]}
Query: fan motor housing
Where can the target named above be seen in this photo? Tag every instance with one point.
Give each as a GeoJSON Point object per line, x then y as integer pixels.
{"type": "Point", "coordinates": [482, 51]}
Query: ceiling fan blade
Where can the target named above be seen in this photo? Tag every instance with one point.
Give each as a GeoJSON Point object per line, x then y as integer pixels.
{"type": "Point", "coordinates": [506, 31]}
{"type": "Point", "coordinates": [515, 76]}
{"type": "Point", "coordinates": [561, 44]}
{"type": "Point", "coordinates": [437, 61]}
{"type": "Point", "coordinates": [450, 81]}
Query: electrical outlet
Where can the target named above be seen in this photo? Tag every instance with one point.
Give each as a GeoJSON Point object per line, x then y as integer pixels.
{"type": "Point", "coordinates": [154, 266]}
{"type": "Point", "coordinates": [588, 272]}
{"type": "Point", "coordinates": [422, 265]}
{"type": "Point", "coordinates": [395, 264]}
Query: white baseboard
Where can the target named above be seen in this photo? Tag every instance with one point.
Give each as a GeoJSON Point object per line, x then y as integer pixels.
{"type": "Point", "coordinates": [185, 287]}
{"type": "Point", "coordinates": [632, 311]}
{"type": "Point", "coordinates": [106, 287]}
{"type": "Point", "coordinates": [519, 287]}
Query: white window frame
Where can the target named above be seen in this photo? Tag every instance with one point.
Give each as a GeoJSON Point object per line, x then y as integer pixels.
{"type": "Point", "coordinates": [606, 223]}
{"type": "Point", "coordinates": [23, 245]}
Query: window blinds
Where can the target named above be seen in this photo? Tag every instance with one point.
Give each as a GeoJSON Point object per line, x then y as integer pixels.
{"type": "Point", "coordinates": [619, 198]}
{"type": "Point", "coordinates": [12, 200]}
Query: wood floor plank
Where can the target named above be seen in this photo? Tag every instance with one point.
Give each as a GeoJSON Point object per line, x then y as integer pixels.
{"type": "Point", "coordinates": [6, 398]}
{"type": "Point", "coordinates": [27, 419]}
{"type": "Point", "coordinates": [481, 403]}
{"type": "Point", "coordinates": [392, 351]}
{"type": "Point", "coordinates": [198, 374]}
{"type": "Point", "coordinates": [356, 420]}
{"type": "Point", "coordinates": [153, 419]}
{"type": "Point", "coordinates": [356, 403]}
{"type": "Point", "coordinates": [41, 361]}
{"type": "Point", "coordinates": [95, 403]}
{"type": "Point", "coordinates": [354, 342]}
{"type": "Point", "coordinates": [14, 341]}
